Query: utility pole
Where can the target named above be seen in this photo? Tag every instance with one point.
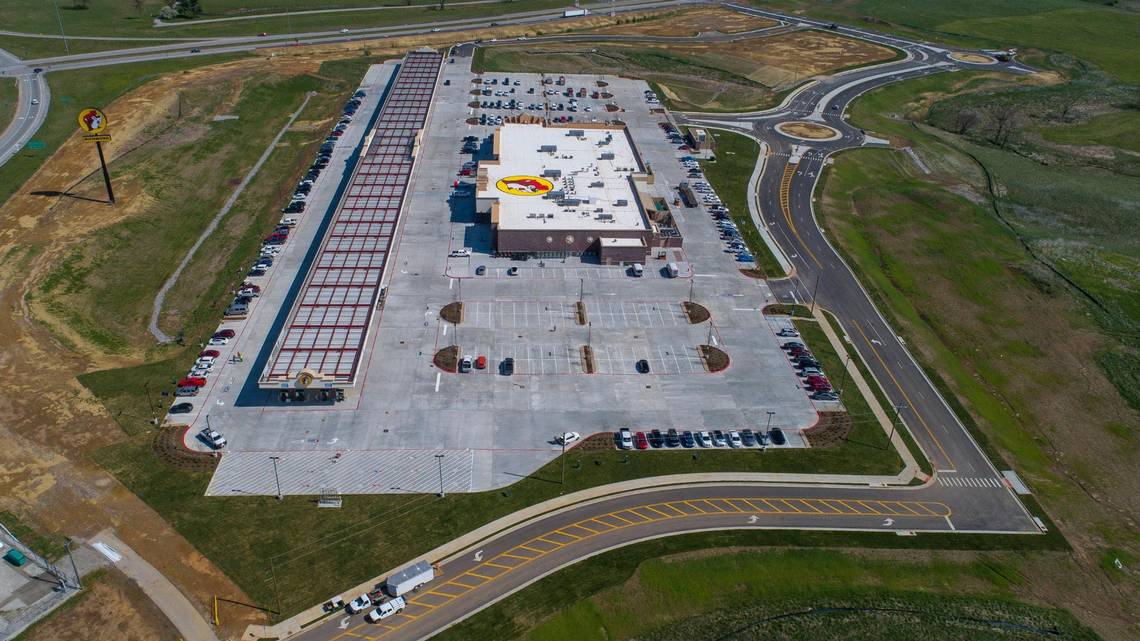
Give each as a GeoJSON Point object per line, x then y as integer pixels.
{"type": "Point", "coordinates": [439, 457]}
{"type": "Point", "coordinates": [691, 282]}
{"type": "Point", "coordinates": [276, 478]}
{"type": "Point", "coordinates": [898, 409]}
{"type": "Point", "coordinates": [59, 19]}
{"type": "Point", "coordinates": [74, 569]}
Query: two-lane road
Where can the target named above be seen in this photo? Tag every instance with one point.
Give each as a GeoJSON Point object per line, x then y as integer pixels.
{"type": "Point", "coordinates": [31, 106]}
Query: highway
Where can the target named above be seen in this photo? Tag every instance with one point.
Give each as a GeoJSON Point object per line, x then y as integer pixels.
{"type": "Point", "coordinates": [966, 495]}
{"type": "Point", "coordinates": [29, 117]}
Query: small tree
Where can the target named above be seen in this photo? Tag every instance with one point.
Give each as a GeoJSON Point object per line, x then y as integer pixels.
{"type": "Point", "coordinates": [965, 120]}
{"type": "Point", "coordinates": [1004, 119]}
{"type": "Point", "coordinates": [167, 13]}
{"type": "Point", "coordinates": [80, 4]}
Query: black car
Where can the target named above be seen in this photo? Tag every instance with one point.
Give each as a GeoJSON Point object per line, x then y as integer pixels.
{"type": "Point", "coordinates": [777, 436]}
{"type": "Point", "coordinates": [672, 439]}
{"type": "Point", "coordinates": [508, 366]}
{"type": "Point", "coordinates": [469, 139]}
{"type": "Point", "coordinates": [656, 439]}
{"type": "Point", "coordinates": [747, 437]}
{"type": "Point", "coordinates": [687, 439]}
{"type": "Point", "coordinates": [642, 366]}
{"type": "Point", "coordinates": [257, 272]}
{"type": "Point", "coordinates": [480, 270]}
{"type": "Point", "coordinates": [181, 408]}
{"type": "Point", "coordinates": [825, 396]}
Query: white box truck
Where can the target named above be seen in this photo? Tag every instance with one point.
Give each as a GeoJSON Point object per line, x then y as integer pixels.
{"type": "Point", "coordinates": [673, 270]}
{"type": "Point", "coordinates": [574, 13]}
{"type": "Point", "coordinates": [409, 579]}
{"type": "Point", "coordinates": [638, 269]}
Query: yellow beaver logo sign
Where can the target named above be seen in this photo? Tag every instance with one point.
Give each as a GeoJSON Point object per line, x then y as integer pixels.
{"type": "Point", "coordinates": [92, 121]}
{"type": "Point", "coordinates": [524, 185]}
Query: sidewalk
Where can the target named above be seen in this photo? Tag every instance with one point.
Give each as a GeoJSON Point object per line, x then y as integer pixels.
{"type": "Point", "coordinates": [181, 612]}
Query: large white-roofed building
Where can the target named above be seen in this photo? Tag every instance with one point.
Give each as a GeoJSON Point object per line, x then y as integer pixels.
{"type": "Point", "coordinates": [558, 190]}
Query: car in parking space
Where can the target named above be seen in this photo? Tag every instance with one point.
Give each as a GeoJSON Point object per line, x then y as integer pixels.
{"type": "Point", "coordinates": [819, 383]}
{"type": "Point", "coordinates": [642, 366]}
{"type": "Point", "coordinates": [508, 366]}
{"type": "Point", "coordinates": [480, 270]}
{"type": "Point", "coordinates": [704, 439]}
{"type": "Point", "coordinates": [209, 353]}
{"type": "Point", "coordinates": [792, 345]}
{"type": "Point", "coordinates": [672, 439]}
{"type": "Point", "coordinates": [192, 381]}
{"type": "Point", "coordinates": [181, 408]}
{"type": "Point", "coordinates": [213, 438]}
{"type": "Point", "coordinates": [656, 439]}
{"type": "Point", "coordinates": [640, 441]}
{"type": "Point", "coordinates": [218, 340]}
{"type": "Point", "coordinates": [719, 438]}
{"type": "Point", "coordinates": [811, 371]}
{"type": "Point", "coordinates": [734, 439]}
{"type": "Point", "coordinates": [787, 331]}
{"type": "Point", "coordinates": [687, 439]}
{"type": "Point", "coordinates": [248, 290]}
{"type": "Point", "coordinates": [825, 396]}
{"type": "Point", "coordinates": [513, 271]}
{"type": "Point", "coordinates": [567, 438]}
{"type": "Point", "coordinates": [625, 439]}
{"type": "Point", "coordinates": [747, 437]}
{"type": "Point", "coordinates": [254, 273]}
{"type": "Point", "coordinates": [777, 436]}
{"type": "Point", "coordinates": [481, 362]}
{"type": "Point", "coordinates": [386, 609]}
{"type": "Point", "coordinates": [186, 390]}
{"type": "Point", "coordinates": [460, 253]}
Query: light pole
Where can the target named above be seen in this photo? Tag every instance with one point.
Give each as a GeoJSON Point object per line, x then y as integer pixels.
{"type": "Point", "coordinates": [843, 383]}
{"type": "Point", "coordinates": [276, 478]}
{"type": "Point", "coordinates": [768, 427]}
{"type": "Point", "coordinates": [439, 457]}
{"type": "Point", "coordinates": [898, 409]}
{"type": "Point", "coordinates": [814, 289]}
{"type": "Point", "coordinates": [563, 483]}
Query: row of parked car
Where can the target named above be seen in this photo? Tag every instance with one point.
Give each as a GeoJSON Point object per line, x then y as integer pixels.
{"type": "Point", "coordinates": [807, 367]}
{"type": "Point", "coordinates": [656, 439]}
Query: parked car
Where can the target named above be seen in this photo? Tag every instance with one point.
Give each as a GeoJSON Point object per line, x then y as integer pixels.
{"type": "Point", "coordinates": [212, 438]}
{"type": "Point", "coordinates": [625, 439]}
{"type": "Point", "coordinates": [186, 390]}
{"type": "Point", "coordinates": [481, 362]}
{"type": "Point", "coordinates": [704, 439]}
{"type": "Point", "coordinates": [640, 441]}
{"type": "Point", "coordinates": [787, 331]}
{"type": "Point", "coordinates": [568, 438]}
{"type": "Point", "coordinates": [480, 270]}
{"type": "Point", "coordinates": [747, 437]}
{"type": "Point", "coordinates": [192, 381]}
{"type": "Point", "coordinates": [777, 436]}
{"type": "Point", "coordinates": [687, 439]}
{"type": "Point", "coordinates": [719, 438]}
{"type": "Point", "coordinates": [825, 396]}
{"type": "Point", "coordinates": [672, 439]}
{"type": "Point", "coordinates": [656, 439]}
{"type": "Point", "coordinates": [642, 366]}
{"type": "Point", "coordinates": [734, 439]}
{"type": "Point", "coordinates": [359, 604]}
{"type": "Point", "coordinates": [508, 366]}
{"type": "Point", "coordinates": [181, 408]}
{"type": "Point", "coordinates": [386, 609]}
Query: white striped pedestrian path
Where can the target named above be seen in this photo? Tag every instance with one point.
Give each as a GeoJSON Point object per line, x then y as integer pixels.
{"type": "Point", "coordinates": [970, 481]}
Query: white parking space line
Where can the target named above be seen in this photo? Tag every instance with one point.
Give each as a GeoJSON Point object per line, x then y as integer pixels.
{"type": "Point", "coordinates": [641, 314]}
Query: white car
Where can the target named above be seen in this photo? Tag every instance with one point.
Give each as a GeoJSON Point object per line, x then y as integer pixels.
{"type": "Point", "coordinates": [204, 361]}
{"type": "Point", "coordinates": [568, 438]}
{"type": "Point", "coordinates": [35, 101]}
{"type": "Point", "coordinates": [221, 340]}
{"type": "Point", "coordinates": [199, 372]}
{"type": "Point", "coordinates": [734, 439]}
{"type": "Point", "coordinates": [704, 439]}
{"type": "Point", "coordinates": [344, 30]}
{"type": "Point", "coordinates": [435, 30]}
{"type": "Point", "coordinates": [625, 439]}
{"type": "Point", "coordinates": [460, 253]}
{"type": "Point", "coordinates": [359, 604]}
{"type": "Point", "coordinates": [213, 438]}
{"type": "Point", "coordinates": [386, 609]}
{"type": "Point", "coordinates": [288, 221]}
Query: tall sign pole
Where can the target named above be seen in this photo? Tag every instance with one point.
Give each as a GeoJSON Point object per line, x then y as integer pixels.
{"type": "Point", "coordinates": [92, 122]}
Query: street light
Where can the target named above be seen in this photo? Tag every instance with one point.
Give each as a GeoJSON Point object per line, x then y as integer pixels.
{"type": "Point", "coordinates": [768, 427]}
{"type": "Point", "coordinates": [277, 478]}
{"type": "Point", "coordinates": [562, 485]}
{"type": "Point", "coordinates": [898, 410]}
{"type": "Point", "coordinates": [439, 457]}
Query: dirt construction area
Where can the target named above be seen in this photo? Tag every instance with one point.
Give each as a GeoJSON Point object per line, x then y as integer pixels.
{"type": "Point", "coordinates": [693, 21]}
{"type": "Point", "coordinates": [111, 607]}
{"type": "Point", "coordinates": [808, 130]}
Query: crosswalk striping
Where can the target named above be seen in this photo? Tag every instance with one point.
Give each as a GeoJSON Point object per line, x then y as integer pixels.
{"type": "Point", "coordinates": [970, 481]}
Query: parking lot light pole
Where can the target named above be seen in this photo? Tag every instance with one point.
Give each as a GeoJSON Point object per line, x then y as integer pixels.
{"type": "Point", "coordinates": [563, 483]}
{"type": "Point", "coordinates": [768, 427]}
{"type": "Point", "coordinates": [277, 478]}
{"type": "Point", "coordinates": [898, 410]}
{"type": "Point", "coordinates": [843, 383]}
{"type": "Point", "coordinates": [439, 457]}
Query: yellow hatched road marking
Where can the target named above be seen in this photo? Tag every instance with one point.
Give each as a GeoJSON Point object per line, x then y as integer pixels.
{"type": "Point", "coordinates": [497, 565]}
{"type": "Point", "coordinates": [869, 508]}
{"type": "Point", "coordinates": [564, 533]}
{"type": "Point", "coordinates": [614, 514]}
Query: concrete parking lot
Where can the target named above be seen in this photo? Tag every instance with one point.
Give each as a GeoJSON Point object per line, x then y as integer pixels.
{"type": "Point", "coordinates": [490, 428]}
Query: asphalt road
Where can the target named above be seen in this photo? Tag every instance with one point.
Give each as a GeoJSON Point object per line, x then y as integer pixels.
{"type": "Point", "coordinates": [966, 495]}
{"type": "Point", "coordinates": [31, 87]}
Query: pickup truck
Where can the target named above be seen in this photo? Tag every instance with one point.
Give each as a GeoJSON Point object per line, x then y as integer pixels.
{"type": "Point", "coordinates": [213, 438]}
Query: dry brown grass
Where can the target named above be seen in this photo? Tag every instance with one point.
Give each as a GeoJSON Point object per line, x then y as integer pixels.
{"type": "Point", "coordinates": [690, 22]}
{"type": "Point", "coordinates": [112, 607]}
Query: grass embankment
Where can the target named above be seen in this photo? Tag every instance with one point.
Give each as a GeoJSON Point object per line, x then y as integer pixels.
{"type": "Point", "coordinates": [764, 594]}
{"type": "Point", "coordinates": [188, 177]}
{"type": "Point", "coordinates": [736, 157]}
{"type": "Point", "coordinates": [8, 96]}
{"type": "Point", "coordinates": [978, 283]}
{"type": "Point", "coordinates": [72, 91]}
{"type": "Point", "coordinates": [1100, 34]}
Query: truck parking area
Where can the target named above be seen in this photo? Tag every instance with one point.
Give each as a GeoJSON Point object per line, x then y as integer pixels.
{"type": "Point", "coordinates": [489, 427]}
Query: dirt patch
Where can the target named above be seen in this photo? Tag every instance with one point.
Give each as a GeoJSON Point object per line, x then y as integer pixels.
{"type": "Point", "coordinates": [809, 130]}
{"type": "Point", "coordinates": [752, 272]}
{"type": "Point", "coordinates": [452, 313]}
{"type": "Point", "coordinates": [973, 58]}
{"type": "Point", "coordinates": [780, 309]}
{"type": "Point", "coordinates": [170, 449]}
{"type": "Point", "coordinates": [595, 443]}
{"type": "Point", "coordinates": [696, 312]}
{"type": "Point", "coordinates": [447, 359]}
{"type": "Point", "coordinates": [830, 430]}
{"type": "Point", "coordinates": [714, 358]}
{"type": "Point", "coordinates": [111, 607]}
{"type": "Point", "coordinates": [691, 22]}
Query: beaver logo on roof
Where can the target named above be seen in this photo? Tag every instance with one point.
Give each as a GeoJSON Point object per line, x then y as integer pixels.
{"type": "Point", "coordinates": [524, 185]}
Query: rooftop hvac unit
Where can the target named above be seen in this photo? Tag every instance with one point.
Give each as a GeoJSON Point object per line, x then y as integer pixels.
{"type": "Point", "coordinates": [552, 173]}
{"type": "Point", "coordinates": [576, 133]}
{"type": "Point", "coordinates": [621, 203]}
{"type": "Point", "coordinates": [609, 155]}
{"type": "Point", "coordinates": [548, 149]}
{"type": "Point", "coordinates": [605, 216]}
{"type": "Point", "coordinates": [550, 215]}
{"type": "Point", "coordinates": [597, 183]}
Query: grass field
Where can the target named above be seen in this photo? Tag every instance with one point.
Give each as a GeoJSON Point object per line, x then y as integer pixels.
{"type": "Point", "coordinates": [1121, 129]}
{"type": "Point", "coordinates": [70, 92]}
{"type": "Point", "coordinates": [49, 547]}
{"type": "Point", "coordinates": [690, 22]}
{"type": "Point", "coordinates": [711, 588]}
{"type": "Point", "coordinates": [8, 96]}
{"type": "Point", "coordinates": [121, 19]}
{"type": "Point", "coordinates": [736, 157]}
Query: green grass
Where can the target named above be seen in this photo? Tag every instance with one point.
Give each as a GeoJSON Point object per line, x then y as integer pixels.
{"type": "Point", "coordinates": [716, 594]}
{"type": "Point", "coordinates": [8, 96]}
{"type": "Point", "coordinates": [736, 157]}
{"type": "Point", "coordinates": [48, 546]}
{"type": "Point", "coordinates": [74, 90]}
{"type": "Point", "coordinates": [1111, 130]}
{"type": "Point", "coordinates": [120, 18]}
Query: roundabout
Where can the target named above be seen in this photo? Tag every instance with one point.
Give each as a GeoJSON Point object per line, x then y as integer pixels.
{"type": "Point", "coordinates": [973, 58]}
{"type": "Point", "coordinates": [803, 130]}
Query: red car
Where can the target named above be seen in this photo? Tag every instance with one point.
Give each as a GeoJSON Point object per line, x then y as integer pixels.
{"type": "Point", "coordinates": [819, 383]}
{"type": "Point", "coordinates": [192, 381]}
{"type": "Point", "coordinates": [640, 441]}
{"type": "Point", "coordinates": [209, 352]}
{"type": "Point", "coordinates": [481, 362]}
{"type": "Point", "coordinates": [227, 333]}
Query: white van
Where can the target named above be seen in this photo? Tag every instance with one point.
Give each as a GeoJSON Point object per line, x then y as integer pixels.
{"type": "Point", "coordinates": [673, 270]}
{"type": "Point", "coordinates": [386, 609]}
{"type": "Point", "coordinates": [638, 269]}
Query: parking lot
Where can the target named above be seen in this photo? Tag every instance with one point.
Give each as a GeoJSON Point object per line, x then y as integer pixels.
{"type": "Point", "coordinates": [492, 427]}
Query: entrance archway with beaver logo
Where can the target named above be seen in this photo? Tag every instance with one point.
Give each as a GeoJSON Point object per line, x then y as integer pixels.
{"type": "Point", "coordinates": [524, 185]}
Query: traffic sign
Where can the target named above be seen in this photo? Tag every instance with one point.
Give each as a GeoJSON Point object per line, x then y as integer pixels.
{"type": "Point", "coordinates": [92, 121]}
{"type": "Point", "coordinates": [97, 137]}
